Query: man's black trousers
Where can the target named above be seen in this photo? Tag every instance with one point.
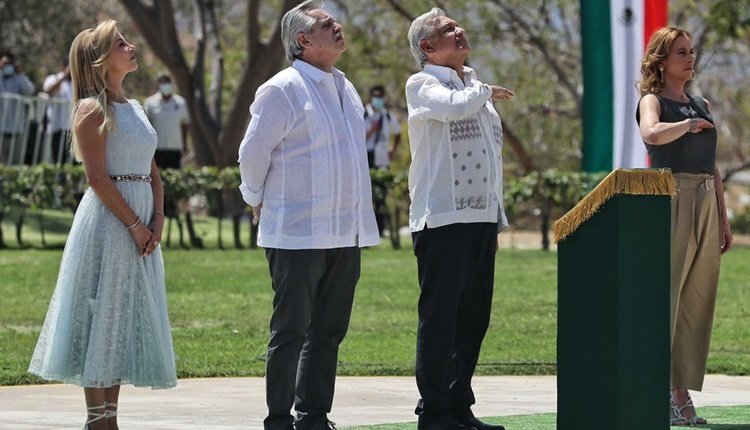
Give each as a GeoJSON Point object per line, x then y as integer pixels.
{"type": "Point", "coordinates": [313, 295]}
{"type": "Point", "coordinates": [456, 267]}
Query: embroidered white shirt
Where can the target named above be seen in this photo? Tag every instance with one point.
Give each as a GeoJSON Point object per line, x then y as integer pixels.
{"type": "Point", "coordinates": [455, 136]}
{"type": "Point", "coordinates": [303, 157]}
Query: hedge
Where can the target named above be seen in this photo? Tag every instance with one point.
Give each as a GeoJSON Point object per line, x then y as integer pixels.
{"type": "Point", "coordinates": [533, 200]}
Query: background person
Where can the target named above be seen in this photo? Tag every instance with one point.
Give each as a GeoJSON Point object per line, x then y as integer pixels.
{"type": "Point", "coordinates": [381, 125]}
{"type": "Point", "coordinates": [13, 114]}
{"type": "Point", "coordinates": [169, 115]}
{"type": "Point", "coordinates": [680, 134]}
{"type": "Point", "coordinates": [59, 88]}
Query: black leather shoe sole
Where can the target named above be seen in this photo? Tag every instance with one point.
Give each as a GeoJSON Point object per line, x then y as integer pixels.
{"type": "Point", "coordinates": [478, 425]}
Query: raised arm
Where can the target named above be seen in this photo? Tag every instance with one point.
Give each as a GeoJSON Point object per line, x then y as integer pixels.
{"type": "Point", "coordinates": [655, 132]}
{"type": "Point", "coordinates": [428, 98]}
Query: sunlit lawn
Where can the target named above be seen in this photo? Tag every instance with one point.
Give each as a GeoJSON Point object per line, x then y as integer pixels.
{"type": "Point", "coordinates": [220, 302]}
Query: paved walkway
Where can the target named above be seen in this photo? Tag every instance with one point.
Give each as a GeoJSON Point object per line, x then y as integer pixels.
{"type": "Point", "coordinates": [238, 403]}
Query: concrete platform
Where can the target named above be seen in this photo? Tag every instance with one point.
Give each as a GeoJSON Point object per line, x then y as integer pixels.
{"type": "Point", "coordinates": [239, 403]}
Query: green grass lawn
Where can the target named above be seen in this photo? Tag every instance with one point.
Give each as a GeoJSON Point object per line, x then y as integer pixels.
{"type": "Point", "coordinates": [719, 418]}
{"type": "Point", "coordinates": [220, 302]}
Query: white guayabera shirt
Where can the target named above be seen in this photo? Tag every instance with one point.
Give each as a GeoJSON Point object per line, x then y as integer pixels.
{"type": "Point", "coordinates": [455, 135]}
{"type": "Point", "coordinates": [303, 157]}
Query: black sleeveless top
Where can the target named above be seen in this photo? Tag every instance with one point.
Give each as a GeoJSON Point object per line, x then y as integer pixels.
{"type": "Point", "coordinates": [691, 152]}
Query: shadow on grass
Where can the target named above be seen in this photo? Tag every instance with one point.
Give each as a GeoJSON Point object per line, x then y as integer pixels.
{"type": "Point", "coordinates": [719, 418]}
{"type": "Point", "coordinates": [725, 427]}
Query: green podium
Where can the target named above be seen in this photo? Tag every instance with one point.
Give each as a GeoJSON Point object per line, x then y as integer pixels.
{"type": "Point", "coordinates": [613, 305]}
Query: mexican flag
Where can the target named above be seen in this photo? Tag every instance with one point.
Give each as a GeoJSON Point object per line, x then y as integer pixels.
{"type": "Point", "coordinates": [614, 35]}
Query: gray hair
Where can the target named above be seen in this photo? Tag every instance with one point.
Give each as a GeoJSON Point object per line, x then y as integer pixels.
{"type": "Point", "coordinates": [293, 23]}
{"type": "Point", "coordinates": [423, 28]}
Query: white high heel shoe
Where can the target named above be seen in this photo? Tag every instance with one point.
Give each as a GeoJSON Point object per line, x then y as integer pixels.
{"type": "Point", "coordinates": [111, 411]}
{"type": "Point", "coordinates": [96, 416]}
{"type": "Point", "coordinates": [677, 418]}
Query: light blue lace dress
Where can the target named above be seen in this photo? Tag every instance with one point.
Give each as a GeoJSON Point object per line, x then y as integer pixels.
{"type": "Point", "coordinates": [107, 322]}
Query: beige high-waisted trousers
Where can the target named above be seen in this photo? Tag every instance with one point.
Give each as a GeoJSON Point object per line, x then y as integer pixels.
{"type": "Point", "coordinates": [696, 253]}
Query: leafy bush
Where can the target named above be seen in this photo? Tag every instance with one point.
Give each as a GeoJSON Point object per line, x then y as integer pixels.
{"type": "Point", "coordinates": [538, 195]}
{"type": "Point", "coordinates": [741, 223]}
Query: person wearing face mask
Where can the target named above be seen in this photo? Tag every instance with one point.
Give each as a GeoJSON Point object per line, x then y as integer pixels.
{"type": "Point", "coordinates": [58, 87]}
{"type": "Point", "coordinates": [12, 116]}
{"type": "Point", "coordinates": [169, 115]}
{"type": "Point", "coordinates": [381, 125]}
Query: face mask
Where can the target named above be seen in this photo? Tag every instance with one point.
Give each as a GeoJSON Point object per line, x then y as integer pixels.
{"type": "Point", "coordinates": [9, 69]}
{"type": "Point", "coordinates": [378, 102]}
{"type": "Point", "coordinates": [165, 89]}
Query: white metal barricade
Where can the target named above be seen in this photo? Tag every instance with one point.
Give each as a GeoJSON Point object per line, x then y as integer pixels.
{"type": "Point", "coordinates": [34, 129]}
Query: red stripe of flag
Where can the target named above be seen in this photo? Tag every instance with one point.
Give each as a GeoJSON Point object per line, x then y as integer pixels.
{"type": "Point", "coordinates": [656, 17]}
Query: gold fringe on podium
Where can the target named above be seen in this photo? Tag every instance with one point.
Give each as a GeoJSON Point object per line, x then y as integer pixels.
{"type": "Point", "coordinates": [620, 181]}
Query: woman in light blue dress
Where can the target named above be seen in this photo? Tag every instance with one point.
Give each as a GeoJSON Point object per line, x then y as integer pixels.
{"type": "Point", "coordinates": [107, 322]}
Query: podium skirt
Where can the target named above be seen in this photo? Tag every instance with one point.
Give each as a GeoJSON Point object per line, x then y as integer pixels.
{"type": "Point", "coordinates": [696, 254]}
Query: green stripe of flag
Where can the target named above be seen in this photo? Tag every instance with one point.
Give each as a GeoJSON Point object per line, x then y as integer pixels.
{"type": "Point", "coordinates": [598, 112]}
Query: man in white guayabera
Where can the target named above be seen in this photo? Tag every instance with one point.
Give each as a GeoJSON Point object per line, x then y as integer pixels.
{"type": "Point", "coordinates": [456, 188]}
{"type": "Point", "coordinates": [304, 172]}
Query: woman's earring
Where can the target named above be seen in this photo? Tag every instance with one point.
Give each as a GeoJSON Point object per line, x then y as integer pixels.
{"type": "Point", "coordinates": [661, 74]}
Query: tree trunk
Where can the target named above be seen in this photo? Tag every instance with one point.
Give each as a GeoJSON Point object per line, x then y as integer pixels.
{"type": "Point", "coordinates": [195, 241]}
{"type": "Point", "coordinates": [219, 196]}
{"type": "Point", "coordinates": [546, 205]}
{"type": "Point", "coordinates": [236, 223]}
{"type": "Point", "coordinates": [2, 238]}
{"type": "Point", "coordinates": [733, 170]}
{"type": "Point", "coordinates": [41, 228]}
{"type": "Point", "coordinates": [19, 227]}
{"type": "Point", "coordinates": [213, 143]}
{"type": "Point", "coordinates": [180, 233]}
{"type": "Point", "coordinates": [219, 236]}
{"type": "Point", "coordinates": [515, 143]}
{"type": "Point", "coordinates": [393, 228]}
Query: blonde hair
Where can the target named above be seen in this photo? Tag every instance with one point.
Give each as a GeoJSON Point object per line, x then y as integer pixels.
{"type": "Point", "coordinates": [88, 57]}
{"type": "Point", "coordinates": [657, 50]}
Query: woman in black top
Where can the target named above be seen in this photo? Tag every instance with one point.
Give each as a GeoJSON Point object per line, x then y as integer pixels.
{"type": "Point", "coordinates": [679, 134]}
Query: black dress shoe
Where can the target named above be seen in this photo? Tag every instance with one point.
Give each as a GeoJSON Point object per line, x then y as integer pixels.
{"type": "Point", "coordinates": [440, 423]}
{"type": "Point", "coordinates": [469, 420]}
{"type": "Point", "coordinates": [326, 424]}
{"type": "Point", "coordinates": [446, 426]}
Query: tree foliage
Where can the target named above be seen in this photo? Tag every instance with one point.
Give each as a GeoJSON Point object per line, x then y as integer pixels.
{"type": "Point", "coordinates": [721, 37]}
{"type": "Point", "coordinates": [216, 138]}
{"type": "Point", "coordinates": [530, 47]}
{"type": "Point", "coordinates": [38, 32]}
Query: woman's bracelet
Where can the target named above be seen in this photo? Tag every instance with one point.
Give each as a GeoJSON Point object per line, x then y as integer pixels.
{"type": "Point", "coordinates": [159, 213]}
{"type": "Point", "coordinates": [135, 225]}
{"type": "Point", "coordinates": [693, 125]}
